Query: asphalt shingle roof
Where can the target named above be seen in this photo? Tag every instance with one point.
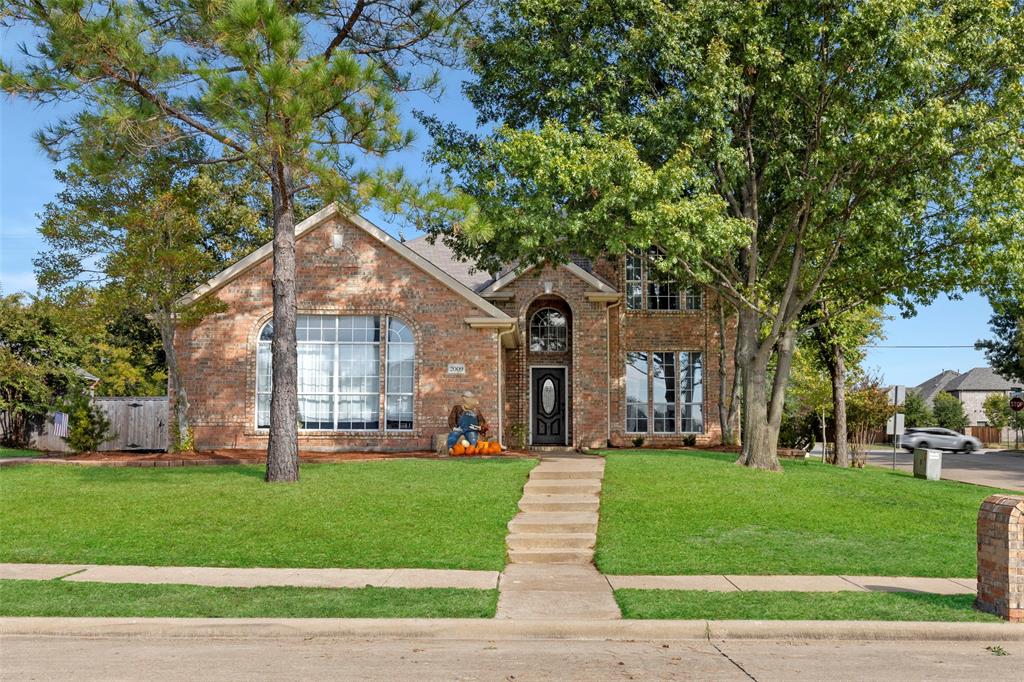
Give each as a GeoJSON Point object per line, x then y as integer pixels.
{"type": "Point", "coordinates": [979, 379]}
{"type": "Point", "coordinates": [932, 387]}
{"type": "Point", "coordinates": [441, 256]}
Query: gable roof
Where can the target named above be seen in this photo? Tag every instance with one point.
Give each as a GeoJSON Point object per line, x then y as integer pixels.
{"type": "Point", "coordinates": [932, 387]}
{"type": "Point", "coordinates": [443, 257]}
{"type": "Point", "coordinates": [979, 379]}
{"type": "Point", "coordinates": [316, 220]}
{"type": "Point", "coordinates": [515, 272]}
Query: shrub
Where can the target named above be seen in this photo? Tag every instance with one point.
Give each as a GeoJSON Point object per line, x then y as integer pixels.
{"type": "Point", "coordinates": [88, 427]}
{"type": "Point", "coordinates": [949, 412]}
{"type": "Point", "coordinates": [690, 440]}
{"type": "Point", "coordinates": [867, 409]}
{"type": "Point", "coordinates": [916, 412]}
{"type": "Point", "coordinates": [638, 441]}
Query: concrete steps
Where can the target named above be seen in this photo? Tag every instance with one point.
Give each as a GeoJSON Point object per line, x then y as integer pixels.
{"type": "Point", "coordinates": [551, 540]}
{"type": "Point", "coordinates": [562, 487]}
{"type": "Point", "coordinates": [558, 503]}
{"type": "Point", "coordinates": [554, 522]}
{"type": "Point", "coordinates": [567, 473]}
{"type": "Point", "coordinates": [550, 556]}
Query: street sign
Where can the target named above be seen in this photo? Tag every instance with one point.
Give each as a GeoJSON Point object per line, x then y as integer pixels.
{"type": "Point", "coordinates": [897, 395]}
{"type": "Point", "coordinates": [895, 425]}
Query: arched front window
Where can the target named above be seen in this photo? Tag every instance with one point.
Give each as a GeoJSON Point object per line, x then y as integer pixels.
{"type": "Point", "coordinates": [400, 371]}
{"type": "Point", "coordinates": [339, 373]}
{"type": "Point", "coordinates": [548, 330]}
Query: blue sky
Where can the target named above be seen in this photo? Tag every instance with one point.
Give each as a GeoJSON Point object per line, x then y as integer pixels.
{"type": "Point", "coordinates": [27, 183]}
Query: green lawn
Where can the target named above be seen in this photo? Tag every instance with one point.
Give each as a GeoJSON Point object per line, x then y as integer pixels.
{"type": "Point", "coordinates": [385, 514]}
{"type": "Point", "coordinates": [57, 598]}
{"type": "Point", "coordinates": [682, 513]}
{"type": "Point", "coordinates": [20, 452]}
{"type": "Point", "coordinates": [699, 605]}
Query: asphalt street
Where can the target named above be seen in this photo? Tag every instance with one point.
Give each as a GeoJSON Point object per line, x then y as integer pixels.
{"type": "Point", "coordinates": [994, 468]}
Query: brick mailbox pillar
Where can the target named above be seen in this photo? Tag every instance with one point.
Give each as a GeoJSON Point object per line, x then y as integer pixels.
{"type": "Point", "coordinates": [1001, 557]}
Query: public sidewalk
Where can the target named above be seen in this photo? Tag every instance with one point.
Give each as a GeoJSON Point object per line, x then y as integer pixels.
{"type": "Point", "coordinates": [517, 580]}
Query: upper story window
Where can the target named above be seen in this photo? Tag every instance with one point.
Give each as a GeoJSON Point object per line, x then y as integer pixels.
{"type": "Point", "coordinates": [339, 373]}
{"type": "Point", "coordinates": [647, 290]}
{"type": "Point", "coordinates": [548, 330]}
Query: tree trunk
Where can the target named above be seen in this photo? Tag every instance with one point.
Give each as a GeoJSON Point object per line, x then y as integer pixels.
{"type": "Point", "coordinates": [179, 431]}
{"type": "Point", "coordinates": [783, 364]}
{"type": "Point", "coordinates": [283, 445]}
{"type": "Point", "coordinates": [728, 396]}
{"type": "Point", "coordinates": [760, 441]}
{"type": "Point", "coordinates": [837, 370]}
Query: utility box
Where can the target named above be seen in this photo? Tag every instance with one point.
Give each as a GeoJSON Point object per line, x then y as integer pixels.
{"type": "Point", "coordinates": [928, 464]}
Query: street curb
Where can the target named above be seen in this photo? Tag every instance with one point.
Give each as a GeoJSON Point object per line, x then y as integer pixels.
{"type": "Point", "coordinates": [491, 630]}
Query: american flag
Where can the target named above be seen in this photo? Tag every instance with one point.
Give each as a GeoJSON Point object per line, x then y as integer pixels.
{"type": "Point", "coordinates": [60, 424]}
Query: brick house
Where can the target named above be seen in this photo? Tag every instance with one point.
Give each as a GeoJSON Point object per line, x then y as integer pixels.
{"type": "Point", "coordinates": [391, 333]}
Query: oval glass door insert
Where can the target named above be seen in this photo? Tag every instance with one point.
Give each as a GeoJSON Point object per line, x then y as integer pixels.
{"type": "Point", "coordinates": [547, 396]}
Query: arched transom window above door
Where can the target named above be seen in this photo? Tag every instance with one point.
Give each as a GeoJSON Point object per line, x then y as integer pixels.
{"type": "Point", "coordinates": [548, 330]}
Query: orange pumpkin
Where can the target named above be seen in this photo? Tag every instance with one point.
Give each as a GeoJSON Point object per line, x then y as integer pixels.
{"type": "Point", "coordinates": [458, 450]}
{"type": "Point", "coordinates": [496, 448]}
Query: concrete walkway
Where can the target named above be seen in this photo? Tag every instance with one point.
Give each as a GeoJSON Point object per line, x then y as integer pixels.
{"type": "Point", "coordinates": [541, 584]}
{"type": "Point", "coordinates": [794, 583]}
{"type": "Point", "coordinates": [551, 574]}
{"type": "Point", "coordinates": [254, 577]}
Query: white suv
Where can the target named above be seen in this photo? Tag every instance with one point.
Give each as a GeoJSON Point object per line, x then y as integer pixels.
{"type": "Point", "coordinates": [939, 439]}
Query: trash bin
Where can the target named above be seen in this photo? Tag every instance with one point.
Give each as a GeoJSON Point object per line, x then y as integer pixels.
{"type": "Point", "coordinates": [928, 464]}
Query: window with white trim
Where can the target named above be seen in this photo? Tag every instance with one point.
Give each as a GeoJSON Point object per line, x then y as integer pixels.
{"type": "Point", "coordinates": [400, 373]}
{"type": "Point", "coordinates": [548, 330]}
{"type": "Point", "coordinates": [634, 281]}
{"type": "Point", "coordinates": [339, 373]}
{"type": "Point", "coordinates": [647, 290]}
{"type": "Point", "coordinates": [663, 397]}
{"type": "Point", "coordinates": [691, 392]}
{"type": "Point", "coordinates": [676, 400]}
{"type": "Point", "coordinates": [636, 392]}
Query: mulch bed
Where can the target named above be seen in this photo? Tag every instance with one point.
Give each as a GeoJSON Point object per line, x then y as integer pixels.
{"type": "Point", "coordinates": [785, 453]}
{"type": "Point", "coordinates": [213, 457]}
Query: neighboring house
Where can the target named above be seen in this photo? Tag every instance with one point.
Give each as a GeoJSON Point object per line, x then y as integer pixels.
{"type": "Point", "coordinates": [390, 334]}
{"type": "Point", "coordinates": [932, 387]}
{"type": "Point", "coordinates": [971, 388]}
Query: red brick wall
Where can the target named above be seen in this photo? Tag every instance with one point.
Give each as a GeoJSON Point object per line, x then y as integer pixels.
{"type": "Point", "coordinates": [661, 331]}
{"type": "Point", "coordinates": [218, 357]}
{"type": "Point", "coordinates": [597, 386]}
{"type": "Point", "coordinates": [587, 359]}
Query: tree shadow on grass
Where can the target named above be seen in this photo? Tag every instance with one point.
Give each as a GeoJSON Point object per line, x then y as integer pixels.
{"type": "Point", "coordinates": [167, 475]}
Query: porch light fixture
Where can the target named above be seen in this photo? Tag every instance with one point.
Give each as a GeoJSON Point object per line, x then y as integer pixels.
{"type": "Point", "coordinates": [338, 239]}
{"type": "Point", "coordinates": [549, 287]}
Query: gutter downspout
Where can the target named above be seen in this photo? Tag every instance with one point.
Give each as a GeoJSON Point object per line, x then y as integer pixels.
{"type": "Point", "coordinates": [501, 384]}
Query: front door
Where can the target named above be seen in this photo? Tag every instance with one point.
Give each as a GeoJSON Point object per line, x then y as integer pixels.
{"type": "Point", "coordinates": [548, 418]}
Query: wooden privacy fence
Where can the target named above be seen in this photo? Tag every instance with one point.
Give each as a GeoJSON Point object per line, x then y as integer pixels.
{"type": "Point", "coordinates": [135, 424]}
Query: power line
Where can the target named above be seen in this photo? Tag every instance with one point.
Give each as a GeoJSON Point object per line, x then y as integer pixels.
{"type": "Point", "coordinates": [936, 346]}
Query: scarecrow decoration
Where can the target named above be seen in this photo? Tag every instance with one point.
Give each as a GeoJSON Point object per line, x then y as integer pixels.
{"type": "Point", "coordinates": [468, 426]}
